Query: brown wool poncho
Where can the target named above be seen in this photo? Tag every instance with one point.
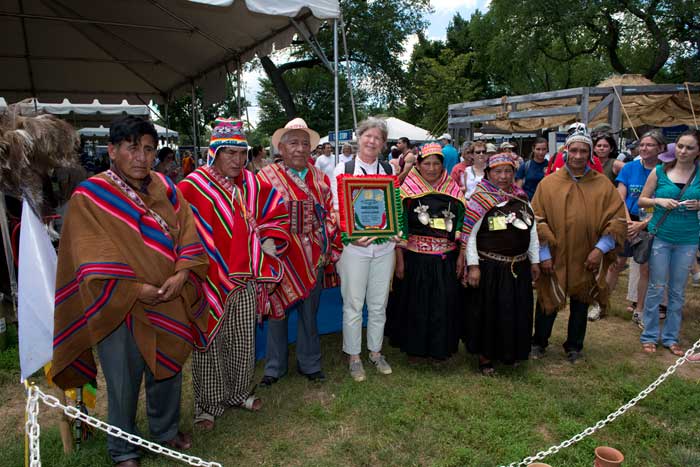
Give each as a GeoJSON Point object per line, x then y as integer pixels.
{"type": "Point", "coordinates": [110, 245]}
{"type": "Point", "coordinates": [572, 216]}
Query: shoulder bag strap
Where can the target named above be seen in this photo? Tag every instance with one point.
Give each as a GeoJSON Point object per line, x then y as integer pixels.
{"type": "Point", "coordinates": [680, 195]}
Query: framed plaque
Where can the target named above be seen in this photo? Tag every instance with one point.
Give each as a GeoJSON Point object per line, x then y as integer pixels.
{"type": "Point", "coordinates": [369, 206]}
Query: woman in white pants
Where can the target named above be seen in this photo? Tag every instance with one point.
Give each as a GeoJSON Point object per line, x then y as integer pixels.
{"type": "Point", "coordinates": [366, 265]}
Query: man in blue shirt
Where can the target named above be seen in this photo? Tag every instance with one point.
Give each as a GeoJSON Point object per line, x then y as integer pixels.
{"type": "Point", "coordinates": [449, 152]}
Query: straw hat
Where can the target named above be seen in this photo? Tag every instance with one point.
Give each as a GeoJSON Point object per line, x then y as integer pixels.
{"type": "Point", "coordinates": [296, 124]}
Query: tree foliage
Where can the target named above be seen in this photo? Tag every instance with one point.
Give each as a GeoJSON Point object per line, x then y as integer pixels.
{"type": "Point", "coordinates": [376, 33]}
{"type": "Point", "coordinates": [180, 113]}
{"type": "Point", "coordinates": [526, 46]}
{"type": "Point", "coordinates": [312, 91]}
{"type": "Point", "coordinates": [541, 45]}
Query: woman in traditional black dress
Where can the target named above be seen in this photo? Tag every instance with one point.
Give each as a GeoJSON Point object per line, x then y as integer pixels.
{"type": "Point", "coordinates": [502, 263]}
{"type": "Point", "coordinates": [425, 318]}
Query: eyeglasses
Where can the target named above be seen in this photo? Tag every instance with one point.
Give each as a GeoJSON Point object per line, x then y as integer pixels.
{"type": "Point", "coordinates": [479, 152]}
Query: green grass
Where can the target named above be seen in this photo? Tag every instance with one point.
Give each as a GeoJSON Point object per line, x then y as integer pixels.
{"type": "Point", "coordinates": [445, 414]}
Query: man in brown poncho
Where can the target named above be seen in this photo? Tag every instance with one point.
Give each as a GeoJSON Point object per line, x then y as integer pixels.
{"type": "Point", "coordinates": [581, 223]}
{"type": "Point", "coordinates": [130, 266]}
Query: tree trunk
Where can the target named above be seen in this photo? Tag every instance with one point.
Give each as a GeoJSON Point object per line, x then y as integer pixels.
{"type": "Point", "coordinates": [281, 88]}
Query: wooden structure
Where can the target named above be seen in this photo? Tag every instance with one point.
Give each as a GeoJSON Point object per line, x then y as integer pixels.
{"type": "Point", "coordinates": [621, 106]}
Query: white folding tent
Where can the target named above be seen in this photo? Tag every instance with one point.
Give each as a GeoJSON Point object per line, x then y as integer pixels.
{"type": "Point", "coordinates": [102, 132]}
{"type": "Point", "coordinates": [113, 50]}
{"type": "Point", "coordinates": [66, 107]}
{"type": "Point", "coordinates": [399, 128]}
{"type": "Point", "coordinates": [156, 49]}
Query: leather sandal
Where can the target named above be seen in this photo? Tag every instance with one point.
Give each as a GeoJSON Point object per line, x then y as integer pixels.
{"type": "Point", "coordinates": [487, 369]}
{"type": "Point", "coordinates": [676, 350]}
{"type": "Point", "coordinates": [128, 463]}
{"type": "Point", "coordinates": [181, 441]}
{"type": "Point", "coordinates": [252, 403]}
{"type": "Point", "coordinates": [204, 425]}
{"type": "Point", "coordinates": [648, 347]}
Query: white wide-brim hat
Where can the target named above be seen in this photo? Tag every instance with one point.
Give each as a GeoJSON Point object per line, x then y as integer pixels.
{"type": "Point", "coordinates": [295, 124]}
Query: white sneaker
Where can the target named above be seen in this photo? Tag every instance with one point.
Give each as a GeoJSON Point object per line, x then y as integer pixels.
{"type": "Point", "coordinates": [594, 312]}
{"type": "Point", "coordinates": [357, 371]}
{"type": "Point", "coordinates": [381, 365]}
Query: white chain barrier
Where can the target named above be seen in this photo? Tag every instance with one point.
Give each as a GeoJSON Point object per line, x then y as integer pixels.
{"type": "Point", "coordinates": [33, 430]}
{"type": "Point", "coordinates": [611, 417]}
{"type": "Point", "coordinates": [34, 394]}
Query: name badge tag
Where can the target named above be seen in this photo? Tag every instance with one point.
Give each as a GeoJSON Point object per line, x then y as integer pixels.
{"type": "Point", "coordinates": [497, 223]}
{"type": "Point", "coordinates": [438, 223]}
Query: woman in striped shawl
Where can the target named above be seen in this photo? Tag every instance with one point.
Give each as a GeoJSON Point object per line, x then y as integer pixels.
{"type": "Point", "coordinates": [502, 261]}
{"type": "Point", "coordinates": [425, 316]}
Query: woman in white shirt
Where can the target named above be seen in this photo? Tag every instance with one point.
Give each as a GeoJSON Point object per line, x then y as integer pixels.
{"type": "Point", "coordinates": [366, 265]}
{"type": "Point", "coordinates": [474, 173]}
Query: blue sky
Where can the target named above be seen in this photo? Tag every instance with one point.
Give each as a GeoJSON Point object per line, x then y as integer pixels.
{"type": "Point", "coordinates": [444, 11]}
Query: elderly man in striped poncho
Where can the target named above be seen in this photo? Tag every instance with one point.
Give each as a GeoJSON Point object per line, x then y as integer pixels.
{"type": "Point", "coordinates": [243, 225]}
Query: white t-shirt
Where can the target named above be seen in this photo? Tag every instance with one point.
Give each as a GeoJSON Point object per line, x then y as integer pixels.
{"type": "Point", "coordinates": [325, 164]}
{"type": "Point", "coordinates": [471, 180]}
{"type": "Point", "coordinates": [343, 158]}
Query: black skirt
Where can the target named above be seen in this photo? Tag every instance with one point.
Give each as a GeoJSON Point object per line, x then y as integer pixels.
{"type": "Point", "coordinates": [423, 317]}
{"type": "Point", "coordinates": [499, 312]}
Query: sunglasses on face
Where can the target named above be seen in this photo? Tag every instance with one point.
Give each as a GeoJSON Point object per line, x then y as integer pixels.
{"type": "Point", "coordinates": [479, 152]}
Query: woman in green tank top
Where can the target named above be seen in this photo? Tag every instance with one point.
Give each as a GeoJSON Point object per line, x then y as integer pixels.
{"type": "Point", "coordinates": [673, 188]}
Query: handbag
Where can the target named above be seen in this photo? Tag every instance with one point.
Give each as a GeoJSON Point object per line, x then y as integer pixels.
{"type": "Point", "coordinates": [641, 244]}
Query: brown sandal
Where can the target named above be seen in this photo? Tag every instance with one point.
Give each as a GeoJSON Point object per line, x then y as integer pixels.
{"type": "Point", "coordinates": [648, 347]}
{"type": "Point", "coordinates": [676, 350]}
{"type": "Point", "coordinates": [204, 425]}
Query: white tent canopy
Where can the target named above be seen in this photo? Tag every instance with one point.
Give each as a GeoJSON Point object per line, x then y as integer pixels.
{"type": "Point", "coordinates": [398, 128]}
{"type": "Point", "coordinates": [102, 132]}
{"type": "Point", "coordinates": [32, 106]}
{"type": "Point", "coordinates": [82, 49]}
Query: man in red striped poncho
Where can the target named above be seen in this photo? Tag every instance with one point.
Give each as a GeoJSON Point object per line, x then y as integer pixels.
{"type": "Point", "coordinates": [243, 225]}
{"type": "Point", "coordinates": [315, 244]}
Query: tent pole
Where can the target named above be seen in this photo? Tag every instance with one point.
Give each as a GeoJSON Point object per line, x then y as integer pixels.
{"type": "Point", "coordinates": [195, 143]}
{"type": "Point", "coordinates": [238, 89]}
{"type": "Point", "coordinates": [335, 86]}
{"type": "Point", "coordinates": [8, 253]}
{"type": "Point", "coordinates": [349, 72]}
{"type": "Point", "coordinates": [167, 123]}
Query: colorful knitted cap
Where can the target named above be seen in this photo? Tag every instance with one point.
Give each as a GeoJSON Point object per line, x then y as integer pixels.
{"type": "Point", "coordinates": [431, 149]}
{"type": "Point", "coordinates": [500, 159]}
{"type": "Point", "coordinates": [227, 132]}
